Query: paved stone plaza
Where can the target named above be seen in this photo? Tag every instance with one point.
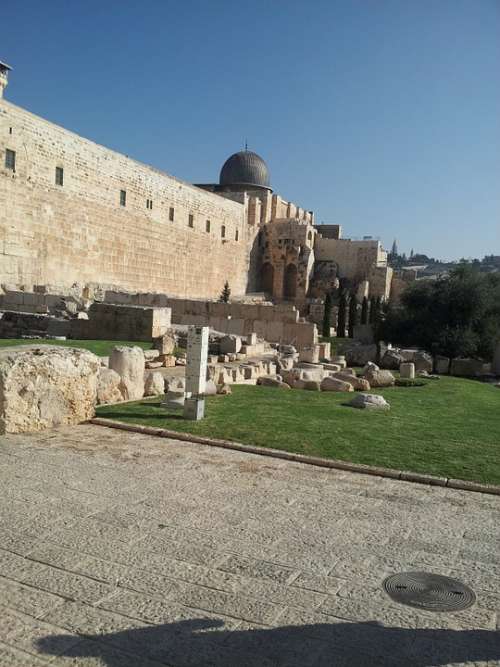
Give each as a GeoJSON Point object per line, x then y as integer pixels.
{"type": "Point", "coordinates": [120, 549]}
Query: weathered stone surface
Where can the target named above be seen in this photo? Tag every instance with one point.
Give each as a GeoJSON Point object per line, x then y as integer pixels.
{"type": "Point", "coordinates": [42, 387]}
{"type": "Point", "coordinates": [154, 364]}
{"type": "Point", "coordinates": [335, 384]}
{"type": "Point", "coordinates": [359, 384]}
{"type": "Point", "coordinates": [129, 363]}
{"type": "Point", "coordinates": [407, 370]}
{"type": "Point", "coordinates": [230, 344]}
{"type": "Point", "coordinates": [359, 355]}
{"type": "Point", "coordinates": [370, 366]}
{"type": "Point", "coordinates": [165, 344]}
{"type": "Point", "coordinates": [272, 382]}
{"type": "Point", "coordinates": [369, 401]}
{"type": "Point", "coordinates": [151, 355]}
{"type": "Point", "coordinates": [154, 384]}
{"type": "Point", "coordinates": [168, 360]}
{"type": "Point", "coordinates": [392, 360]}
{"type": "Point", "coordinates": [108, 386]}
{"type": "Point", "coordinates": [224, 389]}
{"type": "Point", "coordinates": [382, 378]}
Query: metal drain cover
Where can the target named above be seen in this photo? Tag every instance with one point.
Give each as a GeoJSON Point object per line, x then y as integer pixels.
{"type": "Point", "coordinates": [432, 592]}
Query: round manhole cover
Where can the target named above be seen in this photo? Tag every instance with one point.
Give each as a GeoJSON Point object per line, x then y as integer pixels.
{"type": "Point", "coordinates": [432, 592]}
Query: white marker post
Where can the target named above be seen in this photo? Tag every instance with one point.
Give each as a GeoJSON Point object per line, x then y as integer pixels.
{"type": "Point", "coordinates": [196, 372]}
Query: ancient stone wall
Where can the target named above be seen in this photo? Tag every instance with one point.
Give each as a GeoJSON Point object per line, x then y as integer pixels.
{"type": "Point", "coordinates": [80, 231]}
{"type": "Point", "coordinates": [354, 259]}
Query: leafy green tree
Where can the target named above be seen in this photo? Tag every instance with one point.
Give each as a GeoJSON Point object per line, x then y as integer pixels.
{"type": "Point", "coordinates": [327, 315]}
{"type": "Point", "coordinates": [225, 294]}
{"type": "Point", "coordinates": [456, 315]}
{"type": "Point", "coordinates": [353, 315]}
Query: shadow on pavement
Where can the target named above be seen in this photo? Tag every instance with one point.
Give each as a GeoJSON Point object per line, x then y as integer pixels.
{"type": "Point", "coordinates": [203, 642]}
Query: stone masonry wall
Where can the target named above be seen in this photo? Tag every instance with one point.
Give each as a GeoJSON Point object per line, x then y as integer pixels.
{"type": "Point", "coordinates": [79, 232]}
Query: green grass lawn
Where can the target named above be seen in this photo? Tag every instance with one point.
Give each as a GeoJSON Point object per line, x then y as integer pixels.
{"type": "Point", "coordinates": [449, 427]}
{"type": "Point", "coordinates": [100, 347]}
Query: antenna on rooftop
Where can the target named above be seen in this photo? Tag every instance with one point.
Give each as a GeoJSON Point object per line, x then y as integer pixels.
{"type": "Point", "coordinates": [246, 144]}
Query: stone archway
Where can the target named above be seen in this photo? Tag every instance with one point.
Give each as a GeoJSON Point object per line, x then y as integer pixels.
{"type": "Point", "coordinates": [267, 278]}
{"type": "Point", "coordinates": [290, 282]}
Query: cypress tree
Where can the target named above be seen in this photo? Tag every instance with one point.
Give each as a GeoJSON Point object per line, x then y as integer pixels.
{"type": "Point", "coordinates": [353, 315]}
{"type": "Point", "coordinates": [327, 315]}
{"type": "Point", "coordinates": [225, 294]}
{"type": "Point", "coordinates": [364, 311]}
{"type": "Point", "coordinates": [373, 308]}
{"type": "Point", "coordinates": [341, 318]}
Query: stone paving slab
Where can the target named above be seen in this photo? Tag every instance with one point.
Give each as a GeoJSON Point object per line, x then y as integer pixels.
{"type": "Point", "coordinates": [121, 549]}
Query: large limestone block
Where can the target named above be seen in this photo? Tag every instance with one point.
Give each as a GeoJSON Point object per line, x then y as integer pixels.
{"type": "Point", "coordinates": [42, 387]}
{"type": "Point", "coordinates": [380, 378]}
{"type": "Point", "coordinates": [392, 360]}
{"type": "Point", "coordinates": [129, 363]}
{"type": "Point", "coordinates": [442, 365]}
{"type": "Point", "coordinates": [359, 384]}
{"type": "Point", "coordinates": [335, 384]}
{"type": "Point", "coordinates": [108, 386]}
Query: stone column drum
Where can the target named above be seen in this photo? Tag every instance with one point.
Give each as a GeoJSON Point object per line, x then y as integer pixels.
{"type": "Point", "coordinates": [407, 370]}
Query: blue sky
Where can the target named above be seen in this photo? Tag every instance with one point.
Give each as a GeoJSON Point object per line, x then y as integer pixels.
{"type": "Point", "coordinates": [380, 115]}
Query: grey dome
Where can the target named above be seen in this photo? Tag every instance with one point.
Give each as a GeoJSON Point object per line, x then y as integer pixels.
{"type": "Point", "coordinates": [245, 168]}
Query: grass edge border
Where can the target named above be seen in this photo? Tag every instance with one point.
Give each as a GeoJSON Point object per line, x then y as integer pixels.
{"type": "Point", "coordinates": [377, 471]}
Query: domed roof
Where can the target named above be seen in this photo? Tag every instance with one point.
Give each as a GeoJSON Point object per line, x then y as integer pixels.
{"type": "Point", "coordinates": [245, 168]}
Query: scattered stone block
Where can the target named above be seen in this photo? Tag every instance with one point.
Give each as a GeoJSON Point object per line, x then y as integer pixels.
{"type": "Point", "coordinates": [210, 388]}
{"type": "Point", "coordinates": [423, 362]}
{"type": "Point", "coordinates": [180, 361]}
{"type": "Point", "coordinates": [42, 387]}
{"type": "Point", "coordinates": [167, 360]}
{"type": "Point", "coordinates": [369, 402]}
{"type": "Point", "coordinates": [165, 344]}
{"type": "Point", "coordinates": [268, 381]}
{"type": "Point", "coordinates": [392, 360]}
{"type": "Point", "coordinates": [129, 363]}
{"type": "Point", "coordinates": [370, 366]}
{"type": "Point", "coordinates": [151, 355]}
{"type": "Point", "coordinates": [359, 384]}
{"type": "Point", "coordinates": [230, 344]}
{"type": "Point", "coordinates": [407, 370]}
{"type": "Point", "coordinates": [108, 386]}
{"type": "Point", "coordinates": [381, 378]}
{"type": "Point", "coordinates": [154, 384]}
{"type": "Point", "coordinates": [153, 364]}
{"type": "Point", "coordinates": [310, 354]}
{"type": "Point", "coordinates": [224, 389]}
{"type": "Point", "coordinates": [330, 383]}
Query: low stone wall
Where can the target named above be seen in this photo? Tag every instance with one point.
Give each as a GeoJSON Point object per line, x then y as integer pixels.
{"type": "Point", "coordinates": [20, 325]}
{"type": "Point", "coordinates": [112, 322]}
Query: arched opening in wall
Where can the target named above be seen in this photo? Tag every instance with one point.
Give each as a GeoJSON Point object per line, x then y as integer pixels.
{"type": "Point", "coordinates": [267, 278]}
{"type": "Point", "coordinates": [290, 282]}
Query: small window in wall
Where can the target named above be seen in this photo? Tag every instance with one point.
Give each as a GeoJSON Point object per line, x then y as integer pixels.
{"type": "Point", "coordinates": [149, 204]}
{"type": "Point", "coordinates": [236, 235]}
{"type": "Point", "coordinates": [59, 176]}
{"type": "Point", "coordinates": [223, 231]}
{"type": "Point", "coordinates": [171, 214]}
{"type": "Point", "coordinates": [123, 197]}
{"type": "Point", "coordinates": [207, 226]}
{"type": "Point", "coordinates": [10, 159]}
{"type": "Point", "coordinates": [191, 220]}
